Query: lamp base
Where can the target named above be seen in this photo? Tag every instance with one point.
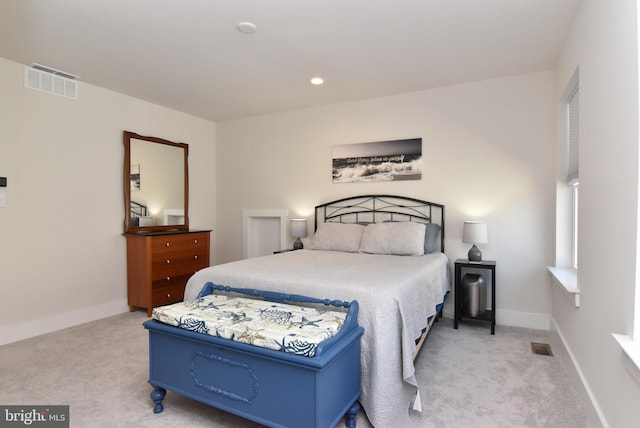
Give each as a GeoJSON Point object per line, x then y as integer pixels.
{"type": "Point", "coordinates": [297, 245]}
{"type": "Point", "coordinates": [474, 254]}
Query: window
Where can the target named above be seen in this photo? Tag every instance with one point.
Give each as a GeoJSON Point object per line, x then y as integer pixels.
{"type": "Point", "coordinates": [572, 166]}
{"type": "Point", "coordinates": [565, 271]}
{"type": "Point", "coordinates": [574, 225]}
{"type": "Point", "coordinates": [630, 343]}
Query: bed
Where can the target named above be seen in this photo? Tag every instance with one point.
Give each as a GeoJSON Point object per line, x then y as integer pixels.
{"type": "Point", "coordinates": [386, 252]}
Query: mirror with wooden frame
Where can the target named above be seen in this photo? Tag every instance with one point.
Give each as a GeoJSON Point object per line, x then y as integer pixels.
{"type": "Point", "coordinates": [156, 184]}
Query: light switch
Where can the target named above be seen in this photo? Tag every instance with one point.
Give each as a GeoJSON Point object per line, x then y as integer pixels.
{"type": "Point", "coordinates": [3, 200]}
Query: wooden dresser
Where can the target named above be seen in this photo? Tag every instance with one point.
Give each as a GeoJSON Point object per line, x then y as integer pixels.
{"type": "Point", "coordinates": [159, 265]}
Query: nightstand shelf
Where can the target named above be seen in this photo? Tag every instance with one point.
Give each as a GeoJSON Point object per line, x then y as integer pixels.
{"type": "Point", "coordinates": [484, 316]}
{"type": "Point", "coordinates": [475, 292]}
{"type": "Point", "coordinates": [286, 250]}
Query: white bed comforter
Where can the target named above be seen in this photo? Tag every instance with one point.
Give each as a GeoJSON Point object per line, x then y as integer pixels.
{"type": "Point", "coordinates": [396, 295]}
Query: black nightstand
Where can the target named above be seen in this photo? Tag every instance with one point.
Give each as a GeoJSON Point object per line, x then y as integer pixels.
{"type": "Point", "coordinates": [284, 251]}
{"type": "Point", "coordinates": [472, 283]}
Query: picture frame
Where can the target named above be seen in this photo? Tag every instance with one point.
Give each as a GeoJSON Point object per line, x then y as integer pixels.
{"type": "Point", "coordinates": [395, 160]}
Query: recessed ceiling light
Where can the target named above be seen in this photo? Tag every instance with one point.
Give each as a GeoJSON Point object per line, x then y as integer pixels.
{"type": "Point", "coordinates": [247, 27]}
{"type": "Point", "coordinates": [317, 81]}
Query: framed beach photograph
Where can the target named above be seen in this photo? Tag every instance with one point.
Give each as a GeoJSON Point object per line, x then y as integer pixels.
{"type": "Point", "coordinates": [380, 161]}
{"type": "Point", "coordinates": [135, 177]}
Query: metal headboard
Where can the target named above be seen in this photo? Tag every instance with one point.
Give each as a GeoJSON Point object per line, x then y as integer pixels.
{"type": "Point", "coordinates": [381, 208]}
{"type": "Point", "coordinates": [136, 211]}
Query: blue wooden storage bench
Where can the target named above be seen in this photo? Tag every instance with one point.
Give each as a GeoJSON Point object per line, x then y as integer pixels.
{"type": "Point", "coordinates": [273, 387]}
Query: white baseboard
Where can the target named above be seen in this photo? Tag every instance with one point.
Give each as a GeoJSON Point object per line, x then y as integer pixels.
{"type": "Point", "coordinates": [523, 319]}
{"type": "Point", "coordinates": [513, 318]}
{"type": "Point", "coordinates": [26, 330]}
{"type": "Point", "coordinates": [37, 327]}
{"type": "Point", "coordinates": [583, 379]}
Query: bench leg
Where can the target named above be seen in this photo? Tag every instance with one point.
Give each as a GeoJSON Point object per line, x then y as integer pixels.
{"type": "Point", "coordinates": [351, 415]}
{"type": "Point", "coordinates": [157, 395]}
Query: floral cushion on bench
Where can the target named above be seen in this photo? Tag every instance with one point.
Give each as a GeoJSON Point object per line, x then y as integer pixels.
{"type": "Point", "coordinates": [283, 327]}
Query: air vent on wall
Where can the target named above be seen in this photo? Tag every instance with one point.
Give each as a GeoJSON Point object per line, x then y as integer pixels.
{"type": "Point", "coordinates": [46, 79]}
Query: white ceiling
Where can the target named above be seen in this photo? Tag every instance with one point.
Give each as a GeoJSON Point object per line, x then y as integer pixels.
{"type": "Point", "coordinates": [189, 56]}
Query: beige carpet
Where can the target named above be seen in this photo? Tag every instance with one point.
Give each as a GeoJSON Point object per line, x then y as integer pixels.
{"type": "Point", "coordinates": [468, 378]}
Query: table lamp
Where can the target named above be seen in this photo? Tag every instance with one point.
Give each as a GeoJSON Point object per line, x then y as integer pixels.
{"type": "Point", "coordinates": [298, 230]}
{"type": "Point", "coordinates": [474, 232]}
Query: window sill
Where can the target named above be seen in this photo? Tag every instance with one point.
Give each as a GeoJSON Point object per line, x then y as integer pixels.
{"type": "Point", "coordinates": [567, 279]}
{"type": "Point", "coordinates": [632, 352]}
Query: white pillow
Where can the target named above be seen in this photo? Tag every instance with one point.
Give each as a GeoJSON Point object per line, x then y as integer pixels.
{"type": "Point", "coordinates": [337, 237]}
{"type": "Point", "coordinates": [401, 239]}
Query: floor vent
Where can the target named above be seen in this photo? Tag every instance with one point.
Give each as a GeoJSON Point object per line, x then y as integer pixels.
{"type": "Point", "coordinates": [51, 81]}
{"type": "Point", "coordinates": [541, 349]}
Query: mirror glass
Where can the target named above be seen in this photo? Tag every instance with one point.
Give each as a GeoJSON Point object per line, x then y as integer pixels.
{"type": "Point", "coordinates": [156, 189]}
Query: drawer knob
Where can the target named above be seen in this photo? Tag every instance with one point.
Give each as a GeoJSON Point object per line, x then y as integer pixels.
{"type": "Point", "coordinates": [168, 278]}
{"type": "Point", "coordinates": [195, 241]}
{"type": "Point", "coordinates": [168, 244]}
{"type": "Point", "coordinates": [195, 257]}
{"type": "Point", "coordinates": [169, 295]}
{"type": "Point", "coordinates": [168, 261]}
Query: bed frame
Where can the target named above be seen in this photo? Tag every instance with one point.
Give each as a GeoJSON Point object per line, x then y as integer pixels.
{"type": "Point", "coordinates": [378, 209]}
{"type": "Point", "coordinates": [381, 208]}
{"type": "Point", "coordinates": [271, 387]}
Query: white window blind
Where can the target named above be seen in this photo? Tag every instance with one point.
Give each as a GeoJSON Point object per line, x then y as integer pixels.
{"type": "Point", "coordinates": [572, 137]}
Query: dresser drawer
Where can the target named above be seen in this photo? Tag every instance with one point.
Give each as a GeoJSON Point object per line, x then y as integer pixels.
{"type": "Point", "coordinates": [166, 295]}
{"type": "Point", "coordinates": [178, 264]}
{"type": "Point", "coordinates": [179, 243]}
{"type": "Point", "coordinates": [171, 281]}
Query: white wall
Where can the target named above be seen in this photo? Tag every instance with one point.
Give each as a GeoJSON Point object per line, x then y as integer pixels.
{"type": "Point", "coordinates": [603, 44]}
{"type": "Point", "coordinates": [488, 153]}
{"type": "Point", "coordinates": [62, 255]}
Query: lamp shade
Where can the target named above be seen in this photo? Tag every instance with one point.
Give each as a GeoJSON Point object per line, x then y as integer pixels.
{"type": "Point", "coordinates": [146, 220]}
{"type": "Point", "coordinates": [298, 227]}
{"type": "Point", "coordinates": [475, 232]}
{"type": "Point", "coordinates": [298, 230]}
